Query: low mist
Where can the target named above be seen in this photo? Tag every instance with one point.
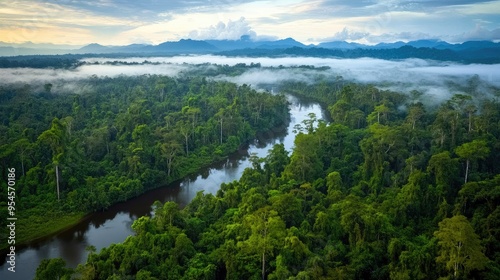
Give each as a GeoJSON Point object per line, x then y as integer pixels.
{"type": "Point", "coordinates": [430, 77]}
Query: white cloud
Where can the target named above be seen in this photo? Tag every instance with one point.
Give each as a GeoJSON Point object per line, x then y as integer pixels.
{"type": "Point", "coordinates": [233, 30]}
{"type": "Point", "coordinates": [347, 35]}
{"type": "Point", "coordinates": [59, 76]}
{"type": "Point", "coordinates": [479, 33]}
{"type": "Point", "coordinates": [366, 38]}
{"type": "Point", "coordinates": [487, 7]}
{"type": "Point", "coordinates": [402, 36]}
{"type": "Point", "coordinates": [43, 22]}
{"type": "Point", "coordinates": [118, 22]}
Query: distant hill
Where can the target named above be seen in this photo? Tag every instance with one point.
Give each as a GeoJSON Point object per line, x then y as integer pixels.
{"type": "Point", "coordinates": [475, 45]}
{"type": "Point", "coordinates": [94, 48]}
{"type": "Point", "coordinates": [489, 55]}
{"type": "Point", "coordinates": [342, 45]}
{"type": "Point", "coordinates": [245, 43]}
{"type": "Point", "coordinates": [429, 44]}
{"type": "Point", "coordinates": [183, 46]}
{"type": "Point", "coordinates": [467, 52]}
{"type": "Point", "coordinates": [394, 45]}
{"type": "Point", "coordinates": [279, 44]}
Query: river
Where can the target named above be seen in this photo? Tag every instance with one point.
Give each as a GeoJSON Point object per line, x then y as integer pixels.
{"type": "Point", "coordinates": [114, 225]}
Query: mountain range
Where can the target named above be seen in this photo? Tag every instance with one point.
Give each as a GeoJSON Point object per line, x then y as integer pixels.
{"type": "Point", "coordinates": [471, 51]}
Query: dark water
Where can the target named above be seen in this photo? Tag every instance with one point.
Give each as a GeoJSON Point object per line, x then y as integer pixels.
{"type": "Point", "coordinates": [114, 225]}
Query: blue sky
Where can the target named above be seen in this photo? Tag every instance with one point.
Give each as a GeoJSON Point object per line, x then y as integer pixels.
{"type": "Point", "coordinates": [120, 22]}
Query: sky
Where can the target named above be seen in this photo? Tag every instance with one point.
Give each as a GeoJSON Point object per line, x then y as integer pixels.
{"type": "Point", "coordinates": [122, 22]}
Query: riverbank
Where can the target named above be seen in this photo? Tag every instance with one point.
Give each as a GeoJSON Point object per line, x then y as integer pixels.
{"type": "Point", "coordinates": [32, 228]}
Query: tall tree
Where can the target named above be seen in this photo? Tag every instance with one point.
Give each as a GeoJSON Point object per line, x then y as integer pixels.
{"type": "Point", "coordinates": [477, 149]}
{"type": "Point", "coordinates": [268, 233]}
{"type": "Point", "coordinates": [304, 162]}
{"type": "Point", "coordinates": [169, 150]}
{"type": "Point", "coordinates": [185, 130]}
{"type": "Point", "coordinates": [276, 160]}
{"type": "Point", "coordinates": [55, 137]}
{"type": "Point", "coordinates": [460, 247]}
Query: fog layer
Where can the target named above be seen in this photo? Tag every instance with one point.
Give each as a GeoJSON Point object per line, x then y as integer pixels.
{"type": "Point", "coordinates": [431, 77]}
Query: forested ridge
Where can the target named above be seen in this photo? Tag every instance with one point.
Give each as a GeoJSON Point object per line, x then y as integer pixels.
{"type": "Point", "coordinates": [76, 153]}
{"type": "Point", "coordinates": [391, 189]}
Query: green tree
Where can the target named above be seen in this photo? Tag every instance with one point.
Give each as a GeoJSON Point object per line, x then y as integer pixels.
{"type": "Point", "coordinates": [276, 160]}
{"type": "Point", "coordinates": [334, 182]}
{"type": "Point", "coordinates": [305, 163]}
{"type": "Point", "coordinates": [460, 247]}
{"type": "Point", "coordinates": [53, 269]}
{"type": "Point", "coordinates": [169, 150]}
{"type": "Point", "coordinates": [477, 149]}
{"type": "Point", "coordinates": [267, 234]}
{"type": "Point", "coordinates": [23, 146]}
{"type": "Point", "coordinates": [47, 87]}
{"type": "Point", "coordinates": [415, 113]}
{"type": "Point", "coordinates": [186, 131]}
{"type": "Point", "coordinates": [55, 137]}
{"type": "Point", "coordinates": [380, 111]}
{"type": "Point", "coordinates": [183, 249]}
{"type": "Point", "coordinates": [445, 170]}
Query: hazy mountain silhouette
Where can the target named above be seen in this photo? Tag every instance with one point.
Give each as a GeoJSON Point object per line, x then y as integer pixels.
{"type": "Point", "coordinates": [471, 51]}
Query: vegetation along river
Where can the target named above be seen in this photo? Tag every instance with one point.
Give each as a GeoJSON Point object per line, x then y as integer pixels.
{"type": "Point", "coordinates": [114, 225]}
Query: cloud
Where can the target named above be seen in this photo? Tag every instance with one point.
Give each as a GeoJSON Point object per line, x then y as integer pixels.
{"type": "Point", "coordinates": [256, 77]}
{"type": "Point", "coordinates": [479, 33]}
{"type": "Point", "coordinates": [402, 36]}
{"type": "Point", "coordinates": [481, 8]}
{"type": "Point", "coordinates": [439, 3]}
{"type": "Point", "coordinates": [114, 22]}
{"type": "Point", "coordinates": [148, 10]}
{"type": "Point", "coordinates": [60, 77]}
{"type": "Point", "coordinates": [54, 14]}
{"type": "Point", "coordinates": [39, 21]}
{"type": "Point", "coordinates": [365, 37]}
{"type": "Point", "coordinates": [347, 35]}
{"type": "Point", "coordinates": [233, 30]}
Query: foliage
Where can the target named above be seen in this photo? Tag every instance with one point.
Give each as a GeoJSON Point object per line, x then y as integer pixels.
{"type": "Point", "coordinates": [76, 153]}
{"type": "Point", "coordinates": [377, 193]}
{"type": "Point", "coordinates": [460, 247]}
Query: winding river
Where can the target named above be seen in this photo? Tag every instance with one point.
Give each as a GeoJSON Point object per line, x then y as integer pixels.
{"type": "Point", "coordinates": [114, 225]}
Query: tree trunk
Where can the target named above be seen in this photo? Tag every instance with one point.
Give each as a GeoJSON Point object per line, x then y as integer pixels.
{"type": "Point", "coordinates": [470, 122]}
{"type": "Point", "coordinates": [466, 170]}
{"type": "Point", "coordinates": [265, 248]}
{"type": "Point", "coordinates": [221, 130]}
{"type": "Point", "coordinates": [264, 265]}
{"type": "Point", "coordinates": [170, 160]}
{"type": "Point", "coordinates": [57, 181]}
